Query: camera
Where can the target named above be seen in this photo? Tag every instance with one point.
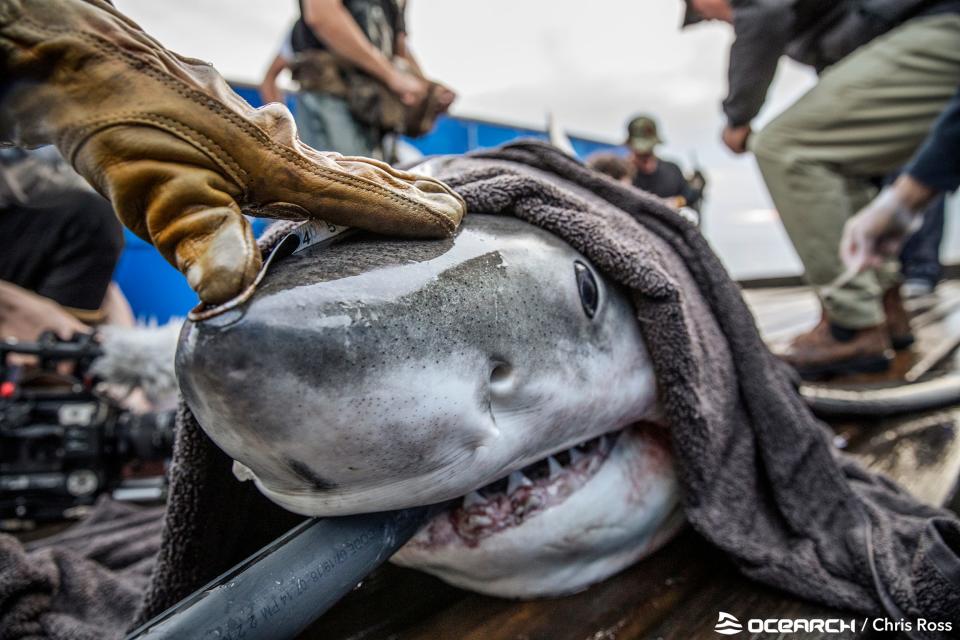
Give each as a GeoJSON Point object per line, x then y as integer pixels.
{"type": "Point", "coordinates": [64, 442]}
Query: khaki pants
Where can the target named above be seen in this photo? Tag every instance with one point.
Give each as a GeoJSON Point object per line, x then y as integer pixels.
{"type": "Point", "coordinates": [864, 119]}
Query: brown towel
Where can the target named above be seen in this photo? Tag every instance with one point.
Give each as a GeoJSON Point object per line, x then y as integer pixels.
{"type": "Point", "coordinates": [760, 476]}
{"type": "Point", "coordinates": [83, 584]}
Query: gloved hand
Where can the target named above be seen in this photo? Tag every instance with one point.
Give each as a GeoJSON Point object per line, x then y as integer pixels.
{"type": "Point", "coordinates": [877, 232]}
{"type": "Point", "coordinates": [698, 181]}
{"type": "Point", "coordinates": [178, 153]}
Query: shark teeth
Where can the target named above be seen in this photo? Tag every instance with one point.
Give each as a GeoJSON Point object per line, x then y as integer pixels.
{"type": "Point", "coordinates": [516, 481]}
{"type": "Point", "coordinates": [512, 499]}
{"type": "Point", "coordinates": [604, 446]}
{"type": "Point", "coordinates": [552, 469]}
{"type": "Point", "coordinates": [472, 498]}
{"type": "Point", "coordinates": [555, 467]}
{"type": "Point", "coordinates": [479, 521]}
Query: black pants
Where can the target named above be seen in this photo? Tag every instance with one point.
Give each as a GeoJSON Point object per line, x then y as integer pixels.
{"type": "Point", "coordinates": [920, 258]}
{"type": "Point", "coordinates": [65, 248]}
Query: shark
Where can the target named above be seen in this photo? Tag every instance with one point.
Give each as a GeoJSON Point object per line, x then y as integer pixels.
{"type": "Point", "coordinates": [497, 372]}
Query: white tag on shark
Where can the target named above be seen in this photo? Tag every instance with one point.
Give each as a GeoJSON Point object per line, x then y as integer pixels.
{"type": "Point", "coordinates": [316, 232]}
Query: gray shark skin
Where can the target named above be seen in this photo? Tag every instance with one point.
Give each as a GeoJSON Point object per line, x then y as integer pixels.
{"type": "Point", "coordinates": [497, 366]}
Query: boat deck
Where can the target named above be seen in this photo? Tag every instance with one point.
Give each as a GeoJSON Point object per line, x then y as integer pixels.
{"type": "Point", "coordinates": [677, 592]}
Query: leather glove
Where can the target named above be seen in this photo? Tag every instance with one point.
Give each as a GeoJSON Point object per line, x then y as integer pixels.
{"type": "Point", "coordinates": [877, 232]}
{"type": "Point", "coordinates": [178, 153]}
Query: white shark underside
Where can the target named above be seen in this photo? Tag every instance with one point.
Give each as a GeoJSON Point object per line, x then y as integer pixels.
{"type": "Point", "coordinates": [497, 366]}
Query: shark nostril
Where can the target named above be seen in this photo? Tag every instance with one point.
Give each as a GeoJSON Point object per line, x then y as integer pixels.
{"type": "Point", "coordinates": [501, 377]}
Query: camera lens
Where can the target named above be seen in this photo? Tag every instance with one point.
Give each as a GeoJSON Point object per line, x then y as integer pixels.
{"type": "Point", "coordinates": [82, 482]}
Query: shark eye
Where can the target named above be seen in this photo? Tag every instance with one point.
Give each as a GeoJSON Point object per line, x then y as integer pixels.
{"type": "Point", "coordinates": [587, 286]}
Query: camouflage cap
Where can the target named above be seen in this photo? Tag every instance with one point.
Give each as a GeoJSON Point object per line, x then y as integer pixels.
{"type": "Point", "coordinates": [642, 134]}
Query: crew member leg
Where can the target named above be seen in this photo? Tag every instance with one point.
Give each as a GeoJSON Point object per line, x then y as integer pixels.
{"type": "Point", "coordinates": [921, 253]}
{"type": "Point", "coordinates": [325, 123]}
{"type": "Point", "coordinates": [864, 118]}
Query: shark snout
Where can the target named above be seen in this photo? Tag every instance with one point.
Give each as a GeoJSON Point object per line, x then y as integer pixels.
{"type": "Point", "coordinates": [352, 424]}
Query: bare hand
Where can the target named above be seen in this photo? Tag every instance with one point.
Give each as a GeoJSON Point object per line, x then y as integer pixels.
{"type": "Point", "coordinates": [409, 88]}
{"type": "Point", "coordinates": [24, 315]}
{"type": "Point", "coordinates": [736, 138]}
{"type": "Point", "coordinates": [270, 93]}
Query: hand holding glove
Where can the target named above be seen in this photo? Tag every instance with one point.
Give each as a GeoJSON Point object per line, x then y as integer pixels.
{"type": "Point", "coordinates": [178, 153]}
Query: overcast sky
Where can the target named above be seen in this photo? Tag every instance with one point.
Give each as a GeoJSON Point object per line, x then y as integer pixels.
{"type": "Point", "coordinates": [593, 64]}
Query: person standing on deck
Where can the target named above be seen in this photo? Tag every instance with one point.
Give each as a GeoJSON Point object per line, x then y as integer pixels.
{"type": "Point", "coordinates": [612, 165]}
{"type": "Point", "coordinates": [920, 256]}
{"type": "Point", "coordinates": [888, 68]}
{"type": "Point", "coordinates": [368, 35]}
{"type": "Point", "coordinates": [654, 174]}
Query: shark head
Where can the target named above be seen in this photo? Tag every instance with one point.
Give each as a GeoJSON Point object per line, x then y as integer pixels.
{"type": "Point", "coordinates": [497, 368]}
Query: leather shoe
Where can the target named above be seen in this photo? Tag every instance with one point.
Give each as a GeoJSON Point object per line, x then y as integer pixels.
{"type": "Point", "coordinates": [898, 322]}
{"type": "Point", "coordinates": [828, 350]}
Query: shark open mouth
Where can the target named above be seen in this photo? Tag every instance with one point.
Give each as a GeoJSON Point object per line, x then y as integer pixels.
{"type": "Point", "coordinates": [513, 500]}
{"type": "Point", "coordinates": [558, 525]}
{"type": "Point", "coordinates": [523, 494]}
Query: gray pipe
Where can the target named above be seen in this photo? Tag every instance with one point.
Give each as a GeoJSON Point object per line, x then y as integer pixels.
{"type": "Point", "coordinates": [878, 402]}
{"type": "Point", "coordinates": [277, 592]}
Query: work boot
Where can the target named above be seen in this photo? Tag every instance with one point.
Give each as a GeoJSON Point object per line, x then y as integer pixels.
{"type": "Point", "coordinates": [898, 322]}
{"type": "Point", "coordinates": [829, 350]}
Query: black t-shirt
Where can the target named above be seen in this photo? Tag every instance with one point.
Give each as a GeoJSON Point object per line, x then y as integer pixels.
{"type": "Point", "coordinates": [380, 20]}
{"type": "Point", "coordinates": [667, 181]}
{"type": "Point", "coordinates": [937, 162]}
